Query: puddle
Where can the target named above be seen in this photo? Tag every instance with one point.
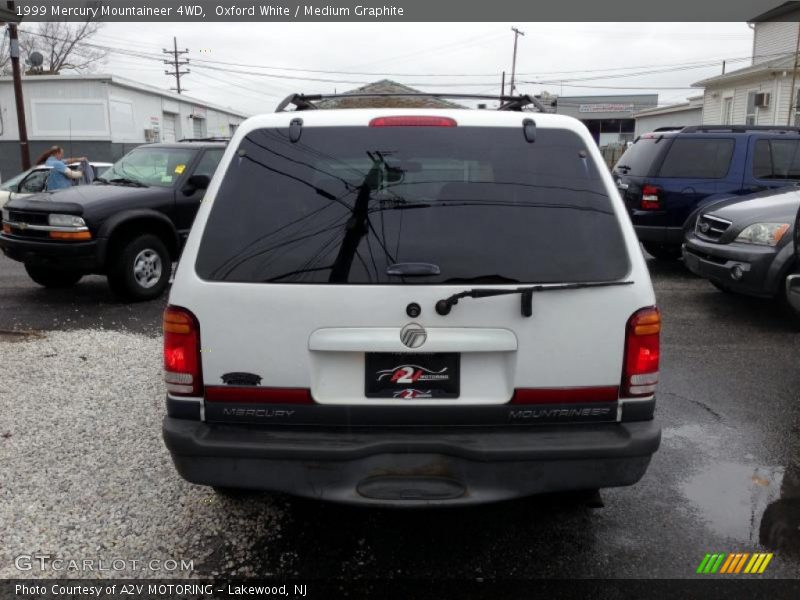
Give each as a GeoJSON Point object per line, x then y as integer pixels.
{"type": "Point", "coordinates": [18, 336]}
{"type": "Point", "coordinates": [731, 497]}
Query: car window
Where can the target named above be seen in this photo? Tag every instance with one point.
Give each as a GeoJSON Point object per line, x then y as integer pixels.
{"type": "Point", "coordinates": [776, 159]}
{"type": "Point", "coordinates": [639, 160]}
{"type": "Point", "coordinates": [34, 182]}
{"type": "Point", "coordinates": [11, 184]}
{"type": "Point", "coordinates": [209, 162]}
{"type": "Point", "coordinates": [155, 166]}
{"type": "Point", "coordinates": [698, 158]}
{"type": "Point", "coordinates": [345, 203]}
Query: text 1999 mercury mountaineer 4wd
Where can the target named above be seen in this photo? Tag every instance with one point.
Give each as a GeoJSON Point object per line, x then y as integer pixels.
{"type": "Point", "coordinates": [411, 307]}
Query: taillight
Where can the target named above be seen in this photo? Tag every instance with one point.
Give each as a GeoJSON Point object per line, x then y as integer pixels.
{"type": "Point", "coordinates": [640, 371]}
{"type": "Point", "coordinates": [650, 200]}
{"type": "Point", "coordinates": [413, 121]}
{"type": "Point", "coordinates": [182, 371]}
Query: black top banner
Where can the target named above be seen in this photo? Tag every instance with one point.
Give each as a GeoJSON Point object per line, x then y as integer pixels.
{"type": "Point", "coordinates": [405, 10]}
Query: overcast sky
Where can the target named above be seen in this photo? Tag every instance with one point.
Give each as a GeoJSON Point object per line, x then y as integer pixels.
{"type": "Point", "coordinates": [409, 53]}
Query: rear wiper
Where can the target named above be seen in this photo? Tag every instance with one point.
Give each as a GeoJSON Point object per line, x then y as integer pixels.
{"type": "Point", "coordinates": [126, 181]}
{"type": "Point", "coordinates": [444, 305]}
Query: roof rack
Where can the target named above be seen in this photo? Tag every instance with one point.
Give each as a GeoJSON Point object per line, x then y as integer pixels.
{"type": "Point", "coordinates": [206, 139]}
{"type": "Point", "coordinates": [306, 102]}
{"type": "Point", "coordinates": [737, 128]}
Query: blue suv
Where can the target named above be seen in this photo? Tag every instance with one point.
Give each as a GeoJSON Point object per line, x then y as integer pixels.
{"type": "Point", "coordinates": [666, 175]}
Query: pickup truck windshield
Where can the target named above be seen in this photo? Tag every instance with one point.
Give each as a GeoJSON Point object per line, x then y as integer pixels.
{"type": "Point", "coordinates": [151, 166]}
{"type": "Point", "coordinates": [347, 205]}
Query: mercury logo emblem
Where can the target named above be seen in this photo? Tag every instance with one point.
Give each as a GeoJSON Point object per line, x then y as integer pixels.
{"type": "Point", "coordinates": [413, 335]}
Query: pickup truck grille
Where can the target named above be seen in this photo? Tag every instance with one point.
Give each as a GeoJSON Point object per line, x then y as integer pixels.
{"type": "Point", "coordinates": [711, 228]}
{"type": "Point", "coordinates": [29, 218]}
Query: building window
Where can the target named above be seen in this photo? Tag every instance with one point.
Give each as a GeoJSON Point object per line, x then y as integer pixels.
{"type": "Point", "coordinates": [727, 111]}
{"type": "Point", "coordinates": [750, 115]}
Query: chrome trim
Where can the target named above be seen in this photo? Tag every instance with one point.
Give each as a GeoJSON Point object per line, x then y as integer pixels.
{"type": "Point", "coordinates": [24, 226]}
{"type": "Point", "coordinates": [728, 223]}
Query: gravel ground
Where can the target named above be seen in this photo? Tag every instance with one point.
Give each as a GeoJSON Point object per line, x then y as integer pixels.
{"type": "Point", "coordinates": [104, 488]}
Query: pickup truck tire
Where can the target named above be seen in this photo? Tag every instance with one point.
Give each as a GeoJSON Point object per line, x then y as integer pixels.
{"type": "Point", "coordinates": [140, 269]}
{"type": "Point", "coordinates": [663, 251]}
{"type": "Point", "coordinates": [53, 278]}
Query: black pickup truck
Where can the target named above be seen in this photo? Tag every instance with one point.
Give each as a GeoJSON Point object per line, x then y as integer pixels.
{"type": "Point", "coordinates": [129, 225]}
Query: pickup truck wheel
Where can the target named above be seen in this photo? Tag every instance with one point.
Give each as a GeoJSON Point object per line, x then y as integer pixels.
{"type": "Point", "coordinates": [141, 269]}
{"type": "Point", "coordinates": [53, 278]}
{"type": "Point", "coordinates": [663, 251]}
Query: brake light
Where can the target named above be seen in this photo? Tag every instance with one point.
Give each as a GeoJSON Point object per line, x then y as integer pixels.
{"type": "Point", "coordinates": [258, 395]}
{"type": "Point", "coordinates": [182, 371]}
{"type": "Point", "coordinates": [650, 200]}
{"type": "Point", "coordinates": [413, 121]}
{"type": "Point", "coordinates": [640, 370]}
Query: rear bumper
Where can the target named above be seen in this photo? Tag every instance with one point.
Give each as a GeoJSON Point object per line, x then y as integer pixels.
{"type": "Point", "coordinates": [79, 256]}
{"type": "Point", "coordinates": [407, 468]}
{"type": "Point", "coordinates": [758, 272]}
{"type": "Point", "coordinates": [659, 234]}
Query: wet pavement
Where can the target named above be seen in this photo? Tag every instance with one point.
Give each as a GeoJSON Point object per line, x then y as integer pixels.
{"type": "Point", "coordinates": [726, 479]}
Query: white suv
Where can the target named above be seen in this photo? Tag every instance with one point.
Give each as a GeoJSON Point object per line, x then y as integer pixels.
{"type": "Point", "coordinates": [411, 307]}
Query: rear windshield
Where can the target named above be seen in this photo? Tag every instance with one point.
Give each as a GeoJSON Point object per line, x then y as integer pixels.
{"type": "Point", "coordinates": [639, 159]}
{"type": "Point", "coordinates": [344, 204]}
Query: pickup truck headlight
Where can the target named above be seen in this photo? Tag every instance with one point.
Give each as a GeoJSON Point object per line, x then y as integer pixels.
{"type": "Point", "coordinates": [6, 215]}
{"type": "Point", "coordinates": [65, 221]}
{"type": "Point", "coordinates": [765, 234]}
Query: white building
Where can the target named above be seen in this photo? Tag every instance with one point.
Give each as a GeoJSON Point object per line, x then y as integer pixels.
{"type": "Point", "coordinates": [766, 92]}
{"type": "Point", "coordinates": [102, 116]}
{"type": "Point", "coordinates": [674, 115]}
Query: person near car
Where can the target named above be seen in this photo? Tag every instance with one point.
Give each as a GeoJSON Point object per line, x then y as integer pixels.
{"type": "Point", "coordinates": [60, 175]}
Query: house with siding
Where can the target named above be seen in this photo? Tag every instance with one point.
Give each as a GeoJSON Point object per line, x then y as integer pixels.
{"type": "Point", "coordinates": [672, 115]}
{"type": "Point", "coordinates": [766, 91]}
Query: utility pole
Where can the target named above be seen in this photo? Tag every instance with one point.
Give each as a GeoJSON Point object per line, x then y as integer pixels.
{"type": "Point", "coordinates": [517, 33]}
{"type": "Point", "coordinates": [24, 150]}
{"type": "Point", "coordinates": [503, 85]}
{"type": "Point", "coordinates": [176, 64]}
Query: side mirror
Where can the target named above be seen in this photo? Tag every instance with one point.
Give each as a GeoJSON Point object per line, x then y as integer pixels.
{"type": "Point", "coordinates": [196, 182]}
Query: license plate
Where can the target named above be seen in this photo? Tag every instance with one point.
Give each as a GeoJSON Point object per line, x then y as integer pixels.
{"type": "Point", "coordinates": [410, 376]}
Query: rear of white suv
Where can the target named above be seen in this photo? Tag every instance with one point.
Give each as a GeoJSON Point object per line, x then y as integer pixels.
{"type": "Point", "coordinates": [411, 307]}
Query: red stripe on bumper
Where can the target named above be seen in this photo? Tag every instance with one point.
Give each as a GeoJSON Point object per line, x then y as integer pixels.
{"type": "Point", "coordinates": [256, 395]}
{"type": "Point", "coordinates": [565, 395]}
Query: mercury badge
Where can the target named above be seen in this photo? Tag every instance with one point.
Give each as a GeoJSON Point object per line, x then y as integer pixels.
{"type": "Point", "coordinates": [413, 335]}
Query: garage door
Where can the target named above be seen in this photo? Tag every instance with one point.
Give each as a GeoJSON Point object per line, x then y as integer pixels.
{"type": "Point", "coordinates": [168, 133]}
